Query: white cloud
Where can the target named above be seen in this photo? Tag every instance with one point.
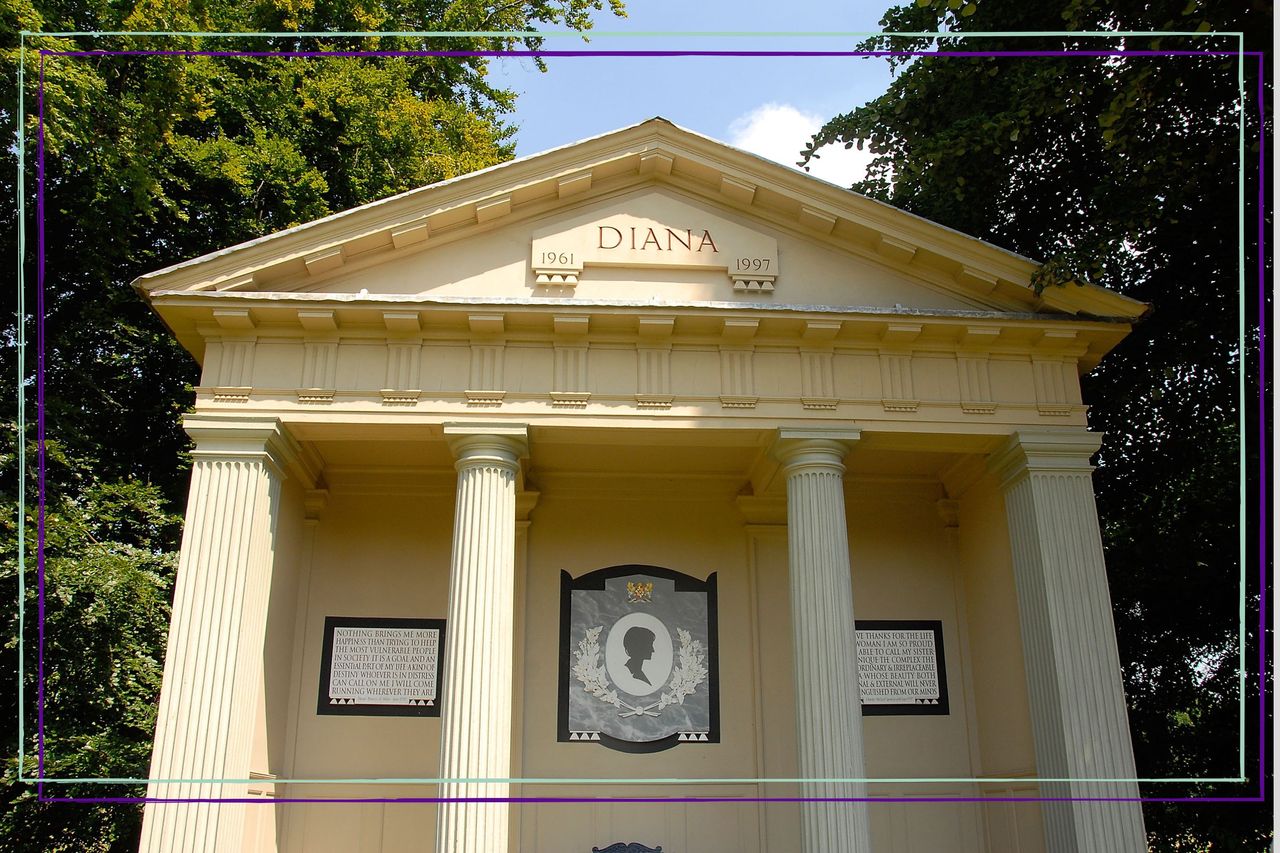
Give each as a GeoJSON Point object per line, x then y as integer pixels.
{"type": "Point", "coordinates": [780, 131]}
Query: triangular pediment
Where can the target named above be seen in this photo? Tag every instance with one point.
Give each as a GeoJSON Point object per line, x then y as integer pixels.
{"type": "Point", "coordinates": [651, 213]}
{"type": "Point", "coordinates": [653, 244]}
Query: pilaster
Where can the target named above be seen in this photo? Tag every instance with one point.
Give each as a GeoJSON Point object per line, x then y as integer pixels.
{"type": "Point", "coordinates": [1078, 715]}
{"type": "Point", "coordinates": [213, 665]}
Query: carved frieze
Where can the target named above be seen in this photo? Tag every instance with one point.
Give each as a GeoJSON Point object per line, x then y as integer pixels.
{"type": "Point", "coordinates": [486, 387]}
{"type": "Point", "coordinates": [975, 384]}
{"type": "Point", "coordinates": [568, 357]}
{"type": "Point", "coordinates": [569, 382]}
{"type": "Point", "coordinates": [235, 370]}
{"type": "Point", "coordinates": [737, 364]}
{"type": "Point", "coordinates": [319, 371]}
{"type": "Point", "coordinates": [1051, 387]}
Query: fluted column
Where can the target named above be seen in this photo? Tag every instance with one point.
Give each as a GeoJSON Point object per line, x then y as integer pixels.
{"type": "Point", "coordinates": [828, 708]}
{"type": "Point", "coordinates": [1078, 716]}
{"type": "Point", "coordinates": [213, 666]}
{"type": "Point", "coordinates": [476, 712]}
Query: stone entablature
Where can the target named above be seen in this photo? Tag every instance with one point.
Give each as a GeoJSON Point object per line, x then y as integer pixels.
{"type": "Point", "coordinates": [279, 355]}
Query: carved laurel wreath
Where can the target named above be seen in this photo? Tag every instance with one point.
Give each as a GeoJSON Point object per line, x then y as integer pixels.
{"type": "Point", "coordinates": [690, 672]}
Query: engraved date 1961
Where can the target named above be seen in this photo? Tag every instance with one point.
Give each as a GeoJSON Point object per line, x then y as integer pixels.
{"type": "Point", "coordinates": [562, 259]}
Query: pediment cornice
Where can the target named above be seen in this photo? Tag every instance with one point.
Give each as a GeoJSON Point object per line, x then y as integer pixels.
{"type": "Point", "coordinates": [653, 153]}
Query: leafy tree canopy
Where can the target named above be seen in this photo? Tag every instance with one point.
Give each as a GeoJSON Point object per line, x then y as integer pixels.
{"type": "Point", "coordinates": [1122, 171]}
{"type": "Point", "coordinates": [152, 160]}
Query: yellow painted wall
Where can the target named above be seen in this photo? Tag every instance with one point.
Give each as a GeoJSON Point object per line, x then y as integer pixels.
{"type": "Point", "coordinates": [374, 555]}
{"type": "Point", "coordinates": [497, 263]}
{"type": "Point", "coordinates": [387, 554]}
{"type": "Point", "coordinates": [1002, 712]}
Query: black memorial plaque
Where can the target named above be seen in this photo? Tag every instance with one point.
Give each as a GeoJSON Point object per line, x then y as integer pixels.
{"type": "Point", "coordinates": [639, 659]}
{"type": "Point", "coordinates": [381, 667]}
{"type": "Point", "coordinates": [901, 668]}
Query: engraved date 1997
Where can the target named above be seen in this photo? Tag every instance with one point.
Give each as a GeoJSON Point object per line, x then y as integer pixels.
{"type": "Point", "coordinates": [753, 264]}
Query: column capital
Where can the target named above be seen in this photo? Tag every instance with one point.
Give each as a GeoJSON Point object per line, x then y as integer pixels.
{"type": "Point", "coordinates": [1043, 451]}
{"type": "Point", "coordinates": [261, 438]}
{"type": "Point", "coordinates": [500, 444]}
{"type": "Point", "coordinates": [814, 448]}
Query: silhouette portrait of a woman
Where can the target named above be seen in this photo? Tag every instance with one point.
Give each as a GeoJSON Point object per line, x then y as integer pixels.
{"type": "Point", "coordinates": [638, 643]}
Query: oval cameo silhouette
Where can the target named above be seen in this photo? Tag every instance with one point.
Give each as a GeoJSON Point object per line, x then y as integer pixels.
{"type": "Point", "coordinates": [638, 653]}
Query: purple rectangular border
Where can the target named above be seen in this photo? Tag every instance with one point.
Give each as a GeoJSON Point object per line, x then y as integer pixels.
{"type": "Point", "coordinates": [1262, 422]}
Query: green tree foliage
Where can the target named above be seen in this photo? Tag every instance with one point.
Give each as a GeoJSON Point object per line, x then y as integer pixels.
{"type": "Point", "coordinates": [151, 160]}
{"type": "Point", "coordinates": [109, 573]}
{"type": "Point", "coordinates": [1121, 171]}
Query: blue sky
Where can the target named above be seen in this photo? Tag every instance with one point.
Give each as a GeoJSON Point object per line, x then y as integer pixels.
{"type": "Point", "coordinates": [768, 105]}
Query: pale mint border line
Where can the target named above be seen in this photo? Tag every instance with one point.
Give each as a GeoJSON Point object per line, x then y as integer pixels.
{"type": "Point", "coordinates": [550, 780]}
{"type": "Point", "coordinates": [586, 34]}
{"type": "Point", "coordinates": [21, 438]}
{"type": "Point", "coordinates": [1244, 443]}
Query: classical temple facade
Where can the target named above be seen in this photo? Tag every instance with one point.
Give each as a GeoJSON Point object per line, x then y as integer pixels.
{"type": "Point", "coordinates": [639, 468]}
